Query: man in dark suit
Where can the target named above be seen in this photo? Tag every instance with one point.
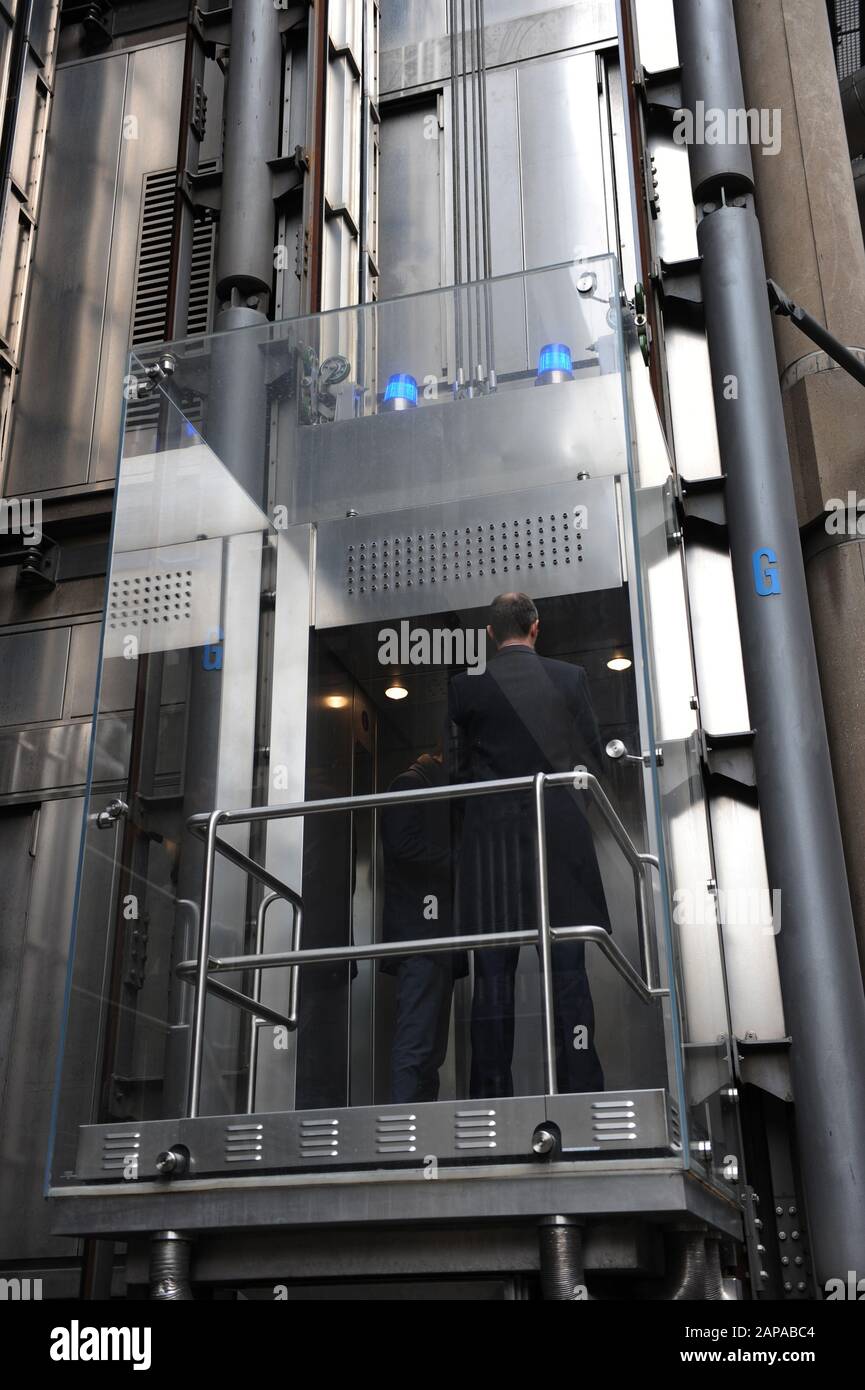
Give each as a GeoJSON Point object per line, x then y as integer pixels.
{"type": "Point", "coordinates": [418, 895]}
{"type": "Point", "coordinates": [526, 714]}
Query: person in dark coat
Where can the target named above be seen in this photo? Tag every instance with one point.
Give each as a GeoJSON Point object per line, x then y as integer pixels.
{"type": "Point", "coordinates": [526, 714]}
{"type": "Point", "coordinates": [418, 893]}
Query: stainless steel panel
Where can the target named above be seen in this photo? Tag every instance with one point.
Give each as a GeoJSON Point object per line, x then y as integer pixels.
{"type": "Point", "coordinates": [616, 1120]}
{"type": "Point", "coordinates": [749, 934]}
{"type": "Point", "coordinates": [35, 1034]}
{"type": "Point", "coordinates": [117, 691]}
{"type": "Point", "coordinates": [561, 168]}
{"type": "Point", "coordinates": [275, 1088]}
{"type": "Point", "coordinates": [165, 599]}
{"type": "Point", "coordinates": [297, 1201]}
{"type": "Point", "coordinates": [626, 1122]}
{"type": "Point", "coordinates": [29, 132]}
{"type": "Point", "coordinates": [558, 540]}
{"type": "Point", "coordinates": [42, 759]}
{"type": "Point", "coordinates": [34, 675]}
{"type": "Point", "coordinates": [406, 22]}
{"type": "Point", "coordinates": [466, 448]}
{"type": "Point", "coordinates": [53, 420]}
{"type": "Point", "coordinates": [675, 228]}
{"type": "Point", "coordinates": [656, 30]}
{"type": "Point", "coordinates": [555, 30]}
{"type": "Point", "coordinates": [505, 189]}
{"type": "Point", "coordinates": [403, 1136]}
{"type": "Point", "coordinates": [14, 251]}
{"type": "Point", "coordinates": [43, 19]}
{"type": "Point", "coordinates": [411, 168]}
{"type": "Point", "coordinates": [546, 174]}
{"type": "Point", "coordinates": [692, 405]}
{"type": "Point", "coordinates": [717, 641]}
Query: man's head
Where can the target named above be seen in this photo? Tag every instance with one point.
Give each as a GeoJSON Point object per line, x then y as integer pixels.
{"type": "Point", "coordinates": [513, 619]}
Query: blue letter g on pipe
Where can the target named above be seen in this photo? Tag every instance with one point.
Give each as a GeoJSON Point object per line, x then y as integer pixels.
{"type": "Point", "coordinates": [766, 580]}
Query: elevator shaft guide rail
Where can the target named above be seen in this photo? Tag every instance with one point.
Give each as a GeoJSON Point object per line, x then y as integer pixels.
{"type": "Point", "coordinates": [200, 972]}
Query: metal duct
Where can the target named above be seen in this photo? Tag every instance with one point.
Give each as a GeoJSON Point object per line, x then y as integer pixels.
{"type": "Point", "coordinates": [711, 76]}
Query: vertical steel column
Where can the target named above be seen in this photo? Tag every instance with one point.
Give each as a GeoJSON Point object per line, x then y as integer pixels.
{"type": "Point", "coordinates": [237, 414]}
{"type": "Point", "coordinates": [820, 977]}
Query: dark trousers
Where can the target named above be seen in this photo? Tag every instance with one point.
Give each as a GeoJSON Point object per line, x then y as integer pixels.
{"type": "Point", "coordinates": [424, 989]}
{"type": "Point", "coordinates": [578, 1067]}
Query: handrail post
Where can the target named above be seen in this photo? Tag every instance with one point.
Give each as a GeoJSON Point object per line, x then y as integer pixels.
{"type": "Point", "coordinates": [545, 940]}
{"type": "Point", "coordinates": [197, 1049]}
{"type": "Point", "coordinates": [256, 994]}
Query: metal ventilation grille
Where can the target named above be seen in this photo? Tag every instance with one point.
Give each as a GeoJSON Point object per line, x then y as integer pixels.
{"type": "Point", "coordinates": [675, 1126]}
{"type": "Point", "coordinates": [120, 1149]}
{"type": "Point", "coordinates": [164, 606]}
{"type": "Point", "coordinates": [164, 596]}
{"type": "Point", "coordinates": [244, 1143]}
{"type": "Point", "coordinates": [319, 1138]}
{"type": "Point", "coordinates": [614, 1121]}
{"type": "Point", "coordinates": [465, 554]}
{"type": "Point", "coordinates": [556, 540]}
{"type": "Point", "coordinates": [396, 1134]}
{"type": "Point", "coordinates": [847, 20]}
{"type": "Point", "coordinates": [475, 1129]}
{"type": "Point", "coordinates": [201, 277]}
{"type": "Point", "coordinates": [150, 308]}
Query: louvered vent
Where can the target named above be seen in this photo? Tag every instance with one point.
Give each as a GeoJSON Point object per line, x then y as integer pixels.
{"type": "Point", "coordinates": [120, 1150]}
{"type": "Point", "coordinates": [152, 283]}
{"type": "Point", "coordinates": [201, 278]}
{"type": "Point", "coordinates": [475, 1129]}
{"type": "Point", "coordinates": [150, 311]}
{"type": "Point", "coordinates": [244, 1143]}
{"type": "Point", "coordinates": [319, 1138]}
{"type": "Point", "coordinates": [396, 1134]}
{"type": "Point", "coordinates": [614, 1121]}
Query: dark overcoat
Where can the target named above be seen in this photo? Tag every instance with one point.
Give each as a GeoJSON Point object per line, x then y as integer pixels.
{"type": "Point", "coordinates": [525, 714]}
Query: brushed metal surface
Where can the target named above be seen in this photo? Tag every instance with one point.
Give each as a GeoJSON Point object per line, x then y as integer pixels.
{"type": "Point", "coordinates": [34, 674]}
{"type": "Point", "coordinates": [460, 555]}
{"type": "Point", "coordinates": [34, 1036]}
{"type": "Point", "coordinates": [403, 1136]}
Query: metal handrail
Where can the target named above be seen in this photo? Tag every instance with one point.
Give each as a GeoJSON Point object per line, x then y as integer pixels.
{"type": "Point", "coordinates": [206, 827]}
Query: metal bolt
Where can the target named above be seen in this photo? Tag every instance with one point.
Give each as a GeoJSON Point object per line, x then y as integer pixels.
{"type": "Point", "coordinates": [543, 1142]}
{"type": "Point", "coordinates": [782, 1235]}
{"type": "Point", "coordinates": [779, 1211]}
{"type": "Point", "coordinates": [785, 1259]}
{"type": "Point", "coordinates": [795, 1235]}
{"type": "Point", "coordinates": [799, 1260]}
{"type": "Point", "coordinates": [791, 1211]}
{"type": "Point", "coordinates": [788, 1288]}
{"type": "Point", "coordinates": [801, 1286]}
{"type": "Point", "coordinates": [764, 1276]}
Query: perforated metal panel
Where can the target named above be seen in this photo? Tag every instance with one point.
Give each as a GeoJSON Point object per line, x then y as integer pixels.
{"type": "Point", "coordinates": [166, 599]}
{"type": "Point", "coordinates": [559, 540]}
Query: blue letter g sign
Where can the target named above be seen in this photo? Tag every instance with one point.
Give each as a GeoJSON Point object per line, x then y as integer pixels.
{"type": "Point", "coordinates": [766, 578]}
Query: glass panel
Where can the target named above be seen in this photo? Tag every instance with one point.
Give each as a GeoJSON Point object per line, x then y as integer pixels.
{"type": "Point", "coordinates": [313, 521]}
